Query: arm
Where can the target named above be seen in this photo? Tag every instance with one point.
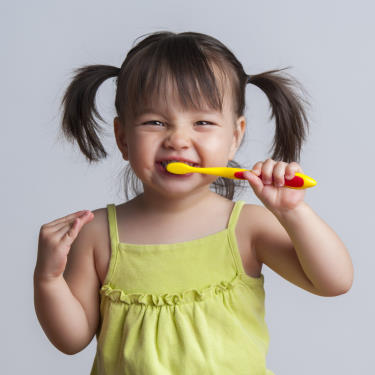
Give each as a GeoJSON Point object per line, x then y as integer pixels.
{"type": "Point", "coordinates": [291, 238]}
{"type": "Point", "coordinates": [67, 306]}
{"type": "Point", "coordinates": [61, 315]}
{"type": "Point", "coordinates": [323, 256]}
{"type": "Point", "coordinates": [304, 250]}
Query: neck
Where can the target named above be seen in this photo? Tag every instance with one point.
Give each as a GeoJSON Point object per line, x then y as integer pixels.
{"type": "Point", "coordinates": [152, 202]}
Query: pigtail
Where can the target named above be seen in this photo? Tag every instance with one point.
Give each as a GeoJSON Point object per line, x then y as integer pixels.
{"type": "Point", "coordinates": [78, 122]}
{"type": "Point", "coordinates": [289, 112]}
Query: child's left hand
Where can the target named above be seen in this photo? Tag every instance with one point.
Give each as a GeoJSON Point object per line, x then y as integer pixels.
{"type": "Point", "coordinates": [277, 198]}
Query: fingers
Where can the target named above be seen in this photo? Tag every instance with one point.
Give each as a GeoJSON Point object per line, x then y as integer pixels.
{"type": "Point", "coordinates": [275, 172]}
{"type": "Point", "coordinates": [257, 168]}
{"type": "Point", "coordinates": [70, 229]}
{"type": "Point", "coordinates": [267, 171]}
{"type": "Point", "coordinates": [69, 225]}
{"type": "Point", "coordinates": [291, 169]}
{"type": "Point", "coordinates": [55, 240]}
{"type": "Point", "coordinates": [68, 218]}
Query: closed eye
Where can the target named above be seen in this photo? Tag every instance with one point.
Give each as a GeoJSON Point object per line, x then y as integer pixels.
{"type": "Point", "coordinates": [207, 122]}
{"type": "Point", "coordinates": [150, 122]}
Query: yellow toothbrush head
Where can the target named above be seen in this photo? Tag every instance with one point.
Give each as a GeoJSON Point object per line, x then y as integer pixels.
{"type": "Point", "coordinates": [179, 168]}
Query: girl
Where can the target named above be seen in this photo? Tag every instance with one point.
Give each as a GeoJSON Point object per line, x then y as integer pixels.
{"type": "Point", "coordinates": [170, 281]}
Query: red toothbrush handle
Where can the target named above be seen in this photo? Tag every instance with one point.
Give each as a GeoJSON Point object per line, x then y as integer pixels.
{"type": "Point", "coordinates": [299, 180]}
{"type": "Point", "coordinates": [296, 181]}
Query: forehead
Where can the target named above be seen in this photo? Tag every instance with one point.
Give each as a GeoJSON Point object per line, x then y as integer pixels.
{"type": "Point", "coordinates": [169, 100]}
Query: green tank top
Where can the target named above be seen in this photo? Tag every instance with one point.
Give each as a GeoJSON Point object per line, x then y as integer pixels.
{"type": "Point", "coordinates": [181, 308]}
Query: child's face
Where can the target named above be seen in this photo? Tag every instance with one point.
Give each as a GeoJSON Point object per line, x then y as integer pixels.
{"type": "Point", "coordinates": [208, 139]}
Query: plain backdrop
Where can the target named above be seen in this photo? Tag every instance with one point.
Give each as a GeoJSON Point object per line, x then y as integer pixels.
{"type": "Point", "coordinates": [330, 48]}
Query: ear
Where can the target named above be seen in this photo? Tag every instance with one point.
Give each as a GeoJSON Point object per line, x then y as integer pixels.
{"type": "Point", "coordinates": [237, 136]}
{"type": "Point", "coordinates": [120, 136]}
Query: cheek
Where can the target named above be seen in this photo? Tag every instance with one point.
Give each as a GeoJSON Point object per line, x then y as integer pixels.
{"type": "Point", "coordinates": [141, 143]}
{"type": "Point", "coordinates": [217, 145]}
{"type": "Point", "coordinates": [142, 153]}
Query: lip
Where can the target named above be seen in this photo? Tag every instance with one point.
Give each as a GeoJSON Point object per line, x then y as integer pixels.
{"type": "Point", "coordinates": [179, 159]}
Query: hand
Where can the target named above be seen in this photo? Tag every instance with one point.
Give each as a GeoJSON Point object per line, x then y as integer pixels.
{"type": "Point", "coordinates": [55, 240]}
{"type": "Point", "coordinates": [270, 189]}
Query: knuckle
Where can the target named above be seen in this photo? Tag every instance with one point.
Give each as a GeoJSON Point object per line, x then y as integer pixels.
{"type": "Point", "coordinates": [69, 236]}
{"type": "Point", "coordinates": [258, 165]}
{"type": "Point", "coordinates": [43, 234]}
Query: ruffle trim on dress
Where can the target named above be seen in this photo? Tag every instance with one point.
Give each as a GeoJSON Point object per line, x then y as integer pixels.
{"type": "Point", "coordinates": [119, 295]}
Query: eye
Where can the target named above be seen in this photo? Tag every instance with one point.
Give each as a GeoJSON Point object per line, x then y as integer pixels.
{"type": "Point", "coordinates": [155, 121]}
{"type": "Point", "coordinates": [150, 122]}
{"type": "Point", "coordinates": [206, 122]}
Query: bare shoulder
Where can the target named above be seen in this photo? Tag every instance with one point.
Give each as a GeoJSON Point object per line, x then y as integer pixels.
{"type": "Point", "coordinates": [249, 224]}
{"type": "Point", "coordinates": [245, 232]}
{"type": "Point", "coordinates": [99, 227]}
{"type": "Point", "coordinates": [267, 234]}
{"type": "Point", "coordinates": [92, 243]}
{"type": "Point", "coordinates": [260, 222]}
{"type": "Point", "coordinates": [81, 254]}
{"type": "Point", "coordinates": [101, 243]}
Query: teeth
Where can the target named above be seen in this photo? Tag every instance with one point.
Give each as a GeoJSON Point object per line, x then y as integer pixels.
{"type": "Point", "coordinates": [164, 163]}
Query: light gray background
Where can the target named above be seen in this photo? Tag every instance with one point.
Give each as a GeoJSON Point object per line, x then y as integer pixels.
{"type": "Point", "coordinates": [330, 46]}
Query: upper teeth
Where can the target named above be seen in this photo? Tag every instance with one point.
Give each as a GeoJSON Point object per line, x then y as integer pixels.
{"type": "Point", "coordinates": [165, 162]}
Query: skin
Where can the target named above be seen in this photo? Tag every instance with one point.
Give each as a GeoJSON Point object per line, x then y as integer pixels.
{"type": "Point", "coordinates": [285, 236]}
{"type": "Point", "coordinates": [209, 139]}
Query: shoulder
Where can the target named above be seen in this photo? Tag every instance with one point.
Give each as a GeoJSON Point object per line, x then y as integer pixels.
{"type": "Point", "coordinates": [263, 230]}
{"type": "Point", "coordinates": [246, 230]}
{"type": "Point", "coordinates": [96, 232]}
{"type": "Point", "coordinates": [99, 230]}
{"type": "Point", "coordinates": [249, 214]}
{"type": "Point", "coordinates": [91, 231]}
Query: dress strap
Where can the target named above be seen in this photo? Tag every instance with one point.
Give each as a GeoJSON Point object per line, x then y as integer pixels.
{"type": "Point", "coordinates": [114, 238]}
{"type": "Point", "coordinates": [232, 236]}
{"type": "Point", "coordinates": [112, 222]}
{"type": "Point", "coordinates": [235, 214]}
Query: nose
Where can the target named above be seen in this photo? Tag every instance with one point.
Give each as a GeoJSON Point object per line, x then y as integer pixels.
{"type": "Point", "coordinates": [177, 139]}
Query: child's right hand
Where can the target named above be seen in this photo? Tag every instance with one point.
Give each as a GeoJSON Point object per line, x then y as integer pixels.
{"type": "Point", "coordinates": [55, 240]}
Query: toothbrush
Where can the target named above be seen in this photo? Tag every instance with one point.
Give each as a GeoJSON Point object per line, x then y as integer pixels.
{"type": "Point", "coordinates": [299, 181]}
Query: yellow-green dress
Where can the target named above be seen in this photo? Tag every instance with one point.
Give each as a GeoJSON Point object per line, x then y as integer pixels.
{"type": "Point", "coordinates": [184, 308]}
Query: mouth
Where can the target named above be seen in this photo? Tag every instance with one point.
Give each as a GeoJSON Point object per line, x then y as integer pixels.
{"type": "Point", "coordinates": [164, 163]}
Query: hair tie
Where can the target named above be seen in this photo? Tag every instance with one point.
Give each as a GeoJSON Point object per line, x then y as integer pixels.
{"type": "Point", "coordinates": [249, 78]}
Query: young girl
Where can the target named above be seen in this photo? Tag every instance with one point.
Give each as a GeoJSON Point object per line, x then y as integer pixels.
{"type": "Point", "coordinates": [170, 281]}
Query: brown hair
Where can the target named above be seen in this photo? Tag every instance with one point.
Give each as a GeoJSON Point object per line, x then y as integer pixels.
{"type": "Point", "coordinates": [188, 59]}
